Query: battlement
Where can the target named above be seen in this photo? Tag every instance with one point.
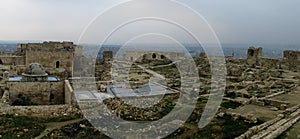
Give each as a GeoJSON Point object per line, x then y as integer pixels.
{"type": "Point", "coordinates": [46, 46]}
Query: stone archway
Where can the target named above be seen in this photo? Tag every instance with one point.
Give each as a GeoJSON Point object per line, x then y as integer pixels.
{"type": "Point", "coordinates": [154, 56]}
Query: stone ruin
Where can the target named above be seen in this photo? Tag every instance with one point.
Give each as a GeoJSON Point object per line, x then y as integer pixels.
{"type": "Point", "coordinates": [56, 57]}
{"type": "Point", "coordinates": [292, 60]}
{"type": "Point", "coordinates": [254, 56]}
{"type": "Point", "coordinates": [107, 56]}
{"type": "Point", "coordinates": [152, 55]}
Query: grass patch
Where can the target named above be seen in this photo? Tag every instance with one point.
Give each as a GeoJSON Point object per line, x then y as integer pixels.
{"type": "Point", "coordinates": [19, 127]}
{"type": "Point", "coordinates": [75, 131]}
{"type": "Point", "coordinates": [231, 105]}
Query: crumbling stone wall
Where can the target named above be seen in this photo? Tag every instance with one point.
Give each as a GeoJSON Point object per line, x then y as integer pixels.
{"type": "Point", "coordinates": [10, 59]}
{"type": "Point", "coordinates": [151, 55]}
{"type": "Point", "coordinates": [107, 55]}
{"type": "Point", "coordinates": [291, 60]}
{"type": "Point", "coordinates": [254, 56]}
{"type": "Point", "coordinates": [39, 93]}
{"type": "Point", "coordinates": [51, 55]}
{"type": "Point", "coordinates": [271, 63]}
{"type": "Point", "coordinates": [41, 111]}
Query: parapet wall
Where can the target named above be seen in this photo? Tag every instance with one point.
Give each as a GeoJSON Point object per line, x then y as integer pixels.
{"type": "Point", "coordinates": [11, 60]}
{"type": "Point", "coordinates": [40, 111]}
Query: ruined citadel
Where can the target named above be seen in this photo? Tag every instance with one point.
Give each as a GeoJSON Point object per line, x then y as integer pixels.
{"type": "Point", "coordinates": [38, 80]}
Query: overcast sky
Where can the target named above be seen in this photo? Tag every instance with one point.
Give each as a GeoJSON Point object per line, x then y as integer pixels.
{"type": "Point", "coordinates": [234, 21]}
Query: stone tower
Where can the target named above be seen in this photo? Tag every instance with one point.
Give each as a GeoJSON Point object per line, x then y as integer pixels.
{"type": "Point", "coordinates": [254, 56]}
{"type": "Point", "coordinates": [291, 60]}
{"type": "Point", "coordinates": [55, 55]}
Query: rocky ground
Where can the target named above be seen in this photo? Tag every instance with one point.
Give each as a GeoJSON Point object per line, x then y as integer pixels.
{"type": "Point", "coordinates": [254, 95]}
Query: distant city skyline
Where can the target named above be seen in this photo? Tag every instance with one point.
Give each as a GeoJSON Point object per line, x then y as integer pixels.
{"type": "Point", "coordinates": [234, 21]}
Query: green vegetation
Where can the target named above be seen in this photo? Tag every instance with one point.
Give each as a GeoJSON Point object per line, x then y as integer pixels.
{"type": "Point", "coordinates": [60, 118]}
{"type": "Point", "coordinates": [225, 127]}
{"type": "Point", "coordinates": [26, 127]}
{"type": "Point", "coordinates": [19, 127]}
{"type": "Point", "coordinates": [75, 131]}
{"type": "Point", "coordinates": [231, 105]}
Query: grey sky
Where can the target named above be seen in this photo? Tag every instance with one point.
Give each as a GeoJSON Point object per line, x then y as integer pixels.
{"type": "Point", "coordinates": [234, 21]}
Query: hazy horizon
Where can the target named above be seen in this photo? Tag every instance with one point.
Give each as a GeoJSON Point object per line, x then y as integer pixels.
{"type": "Point", "coordinates": [234, 21]}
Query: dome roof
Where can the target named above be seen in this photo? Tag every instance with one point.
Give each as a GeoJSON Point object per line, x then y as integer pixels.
{"type": "Point", "coordinates": [35, 69]}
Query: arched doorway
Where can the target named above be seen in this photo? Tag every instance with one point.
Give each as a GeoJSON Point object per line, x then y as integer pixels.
{"type": "Point", "coordinates": [154, 56]}
{"type": "Point", "coordinates": [1, 63]}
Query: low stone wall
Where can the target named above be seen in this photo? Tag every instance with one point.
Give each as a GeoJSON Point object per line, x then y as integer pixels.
{"type": "Point", "coordinates": [40, 93]}
{"type": "Point", "coordinates": [255, 129]}
{"type": "Point", "coordinates": [40, 111]}
{"type": "Point", "coordinates": [269, 102]}
{"type": "Point", "coordinates": [273, 128]}
{"type": "Point", "coordinates": [276, 103]}
{"type": "Point", "coordinates": [271, 63]}
{"type": "Point", "coordinates": [69, 94]}
{"type": "Point", "coordinates": [236, 116]}
{"type": "Point", "coordinates": [12, 60]}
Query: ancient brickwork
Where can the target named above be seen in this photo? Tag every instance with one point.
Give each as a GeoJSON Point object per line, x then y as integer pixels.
{"type": "Point", "coordinates": [51, 55]}
{"type": "Point", "coordinates": [40, 93]}
{"type": "Point", "coordinates": [254, 56]}
{"type": "Point", "coordinates": [291, 60]}
{"type": "Point", "coordinates": [107, 55]}
{"type": "Point", "coordinates": [10, 59]}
